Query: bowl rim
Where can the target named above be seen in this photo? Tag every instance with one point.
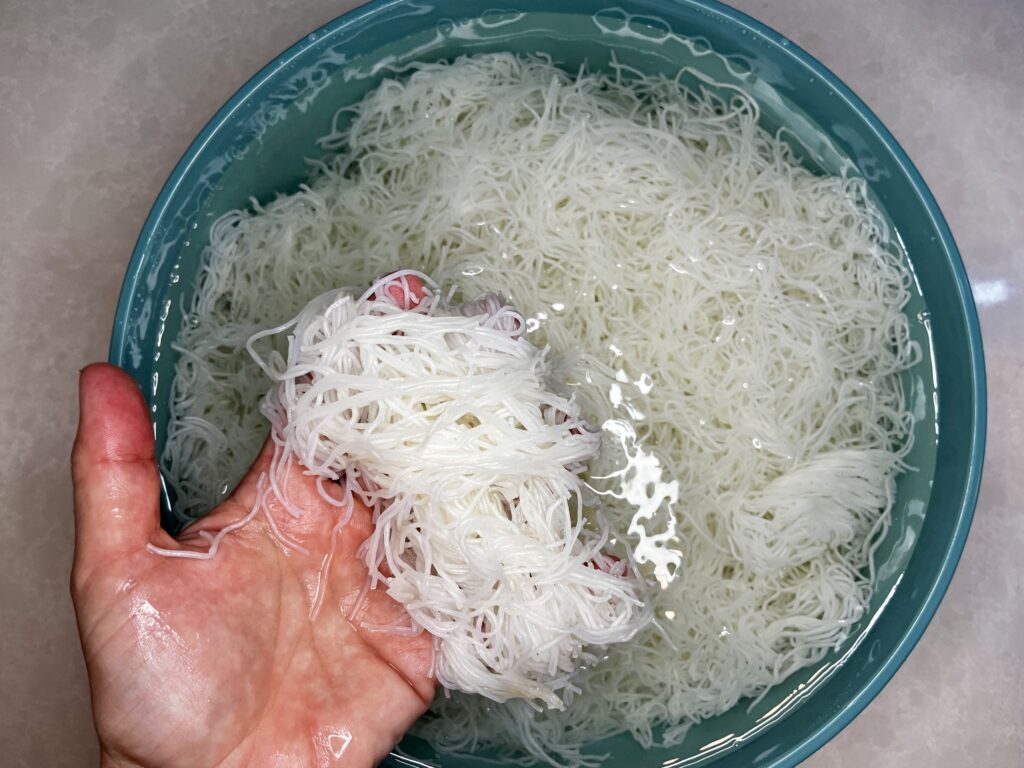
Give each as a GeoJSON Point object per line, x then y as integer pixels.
{"type": "Point", "coordinates": [815, 739]}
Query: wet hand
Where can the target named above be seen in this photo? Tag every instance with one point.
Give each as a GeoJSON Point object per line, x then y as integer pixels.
{"type": "Point", "coordinates": [218, 662]}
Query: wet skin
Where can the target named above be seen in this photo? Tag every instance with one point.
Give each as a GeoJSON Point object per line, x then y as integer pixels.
{"type": "Point", "coordinates": [217, 662]}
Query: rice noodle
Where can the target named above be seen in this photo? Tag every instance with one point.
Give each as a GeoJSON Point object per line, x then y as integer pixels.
{"type": "Point", "coordinates": [212, 539]}
{"type": "Point", "coordinates": [730, 320]}
{"type": "Point", "coordinates": [442, 422]}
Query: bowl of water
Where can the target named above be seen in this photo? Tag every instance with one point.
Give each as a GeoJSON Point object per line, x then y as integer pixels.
{"type": "Point", "coordinates": [257, 146]}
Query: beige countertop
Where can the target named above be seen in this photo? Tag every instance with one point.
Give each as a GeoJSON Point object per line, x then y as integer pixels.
{"type": "Point", "coordinates": [99, 98]}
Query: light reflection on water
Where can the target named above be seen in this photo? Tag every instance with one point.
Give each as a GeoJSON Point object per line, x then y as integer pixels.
{"type": "Point", "coordinates": [640, 483]}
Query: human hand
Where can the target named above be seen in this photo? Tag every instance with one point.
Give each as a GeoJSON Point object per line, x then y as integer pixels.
{"type": "Point", "coordinates": [217, 662]}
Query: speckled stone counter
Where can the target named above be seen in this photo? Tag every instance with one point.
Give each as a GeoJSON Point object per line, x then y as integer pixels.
{"type": "Point", "coordinates": [98, 99]}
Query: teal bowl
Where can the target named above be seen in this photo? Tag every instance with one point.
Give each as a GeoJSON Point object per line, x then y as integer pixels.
{"type": "Point", "coordinates": [257, 143]}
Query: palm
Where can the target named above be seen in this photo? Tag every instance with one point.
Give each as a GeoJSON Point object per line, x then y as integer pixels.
{"type": "Point", "coordinates": [218, 662]}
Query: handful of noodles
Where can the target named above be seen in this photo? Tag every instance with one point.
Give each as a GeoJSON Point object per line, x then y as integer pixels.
{"type": "Point", "coordinates": [440, 419]}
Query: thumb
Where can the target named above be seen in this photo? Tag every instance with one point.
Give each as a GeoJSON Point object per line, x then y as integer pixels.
{"type": "Point", "coordinates": [113, 470]}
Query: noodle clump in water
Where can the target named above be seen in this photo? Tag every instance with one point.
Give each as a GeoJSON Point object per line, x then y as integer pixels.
{"type": "Point", "coordinates": [440, 419]}
{"type": "Point", "coordinates": [731, 322]}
